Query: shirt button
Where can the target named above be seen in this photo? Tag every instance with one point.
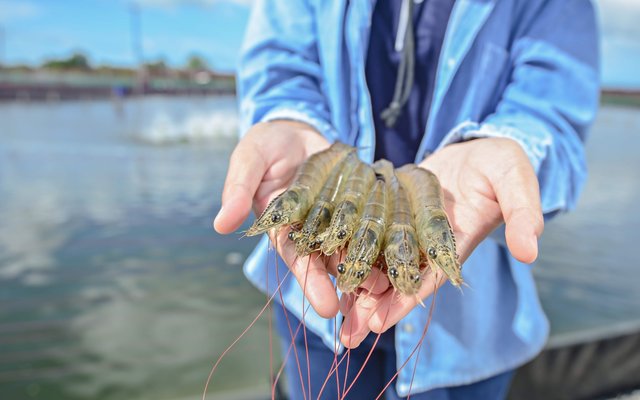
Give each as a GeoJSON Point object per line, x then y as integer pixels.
{"type": "Point", "coordinates": [408, 328]}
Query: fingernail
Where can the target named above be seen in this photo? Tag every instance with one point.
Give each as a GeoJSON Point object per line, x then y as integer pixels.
{"type": "Point", "coordinates": [366, 301]}
{"type": "Point", "coordinates": [355, 340]}
{"type": "Point", "coordinates": [215, 220]}
{"type": "Point", "coordinates": [534, 243]}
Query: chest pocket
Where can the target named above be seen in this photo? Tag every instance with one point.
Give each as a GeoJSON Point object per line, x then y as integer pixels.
{"type": "Point", "coordinates": [489, 77]}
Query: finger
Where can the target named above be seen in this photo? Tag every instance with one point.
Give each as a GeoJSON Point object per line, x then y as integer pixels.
{"type": "Point", "coordinates": [347, 300]}
{"type": "Point", "coordinates": [332, 262]}
{"type": "Point", "coordinates": [352, 334]}
{"type": "Point", "coordinates": [377, 282]}
{"type": "Point", "coordinates": [246, 169]}
{"type": "Point", "coordinates": [311, 274]}
{"type": "Point", "coordinates": [518, 194]}
{"type": "Point", "coordinates": [395, 306]}
{"type": "Point", "coordinates": [355, 327]}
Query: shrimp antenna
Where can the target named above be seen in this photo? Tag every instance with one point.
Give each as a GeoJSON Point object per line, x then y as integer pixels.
{"type": "Point", "coordinates": [366, 360]}
{"type": "Point", "coordinates": [415, 349]}
{"type": "Point", "coordinates": [224, 353]}
{"type": "Point", "coordinates": [286, 316]}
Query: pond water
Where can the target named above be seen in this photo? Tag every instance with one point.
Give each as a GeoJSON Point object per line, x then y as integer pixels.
{"type": "Point", "coordinates": [114, 285]}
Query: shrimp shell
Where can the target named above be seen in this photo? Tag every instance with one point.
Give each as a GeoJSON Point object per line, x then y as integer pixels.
{"type": "Point", "coordinates": [349, 208]}
{"type": "Point", "coordinates": [291, 206]}
{"type": "Point", "coordinates": [364, 247]}
{"type": "Point", "coordinates": [401, 248]}
{"type": "Point", "coordinates": [435, 234]}
{"type": "Point", "coordinates": [319, 216]}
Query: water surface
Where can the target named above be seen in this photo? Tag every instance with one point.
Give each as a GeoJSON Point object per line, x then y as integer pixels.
{"type": "Point", "coordinates": [113, 284]}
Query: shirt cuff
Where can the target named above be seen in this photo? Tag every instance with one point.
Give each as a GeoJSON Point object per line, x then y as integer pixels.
{"type": "Point", "coordinates": [534, 146]}
{"type": "Point", "coordinates": [289, 113]}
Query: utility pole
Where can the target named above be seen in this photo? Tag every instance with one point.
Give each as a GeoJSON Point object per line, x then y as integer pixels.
{"type": "Point", "coordinates": [3, 44]}
{"type": "Point", "coordinates": [136, 44]}
{"type": "Point", "coordinates": [136, 33]}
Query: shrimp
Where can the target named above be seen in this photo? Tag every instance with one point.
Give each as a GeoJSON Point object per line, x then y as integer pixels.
{"type": "Point", "coordinates": [401, 249]}
{"type": "Point", "coordinates": [435, 234]}
{"type": "Point", "coordinates": [364, 247]}
{"type": "Point", "coordinates": [291, 206]}
{"type": "Point", "coordinates": [376, 219]}
{"type": "Point", "coordinates": [319, 216]}
{"type": "Point", "coordinates": [348, 210]}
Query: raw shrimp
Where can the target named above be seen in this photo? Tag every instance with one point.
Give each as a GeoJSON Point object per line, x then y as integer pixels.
{"type": "Point", "coordinates": [401, 248]}
{"type": "Point", "coordinates": [291, 207]}
{"type": "Point", "coordinates": [364, 247]}
{"type": "Point", "coordinates": [348, 210]}
{"type": "Point", "coordinates": [319, 216]}
{"type": "Point", "coordinates": [435, 234]}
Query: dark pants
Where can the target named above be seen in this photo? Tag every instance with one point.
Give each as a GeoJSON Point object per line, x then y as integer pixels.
{"type": "Point", "coordinates": [379, 369]}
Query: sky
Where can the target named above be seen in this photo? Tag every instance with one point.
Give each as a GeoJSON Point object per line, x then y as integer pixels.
{"type": "Point", "coordinates": [172, 30]}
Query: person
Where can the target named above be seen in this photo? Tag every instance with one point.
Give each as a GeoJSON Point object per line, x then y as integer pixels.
{"type": "Point", "coordinates": [495, 97]}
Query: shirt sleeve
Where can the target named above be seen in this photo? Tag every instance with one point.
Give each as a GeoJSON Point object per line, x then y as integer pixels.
{"type": "Point", "coordinates": [279, 74]}
{"type": "Point", "coordinates": [551, 99]}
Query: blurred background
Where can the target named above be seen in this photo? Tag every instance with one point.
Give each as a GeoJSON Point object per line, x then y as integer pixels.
{"type": "Point", "coordinates": [117, 118]}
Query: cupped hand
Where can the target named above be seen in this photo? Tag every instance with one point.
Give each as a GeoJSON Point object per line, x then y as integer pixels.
{"type": "Point", "coordinates": [262, 165]}
{"type": "Point", "coordinates": [486, 182]}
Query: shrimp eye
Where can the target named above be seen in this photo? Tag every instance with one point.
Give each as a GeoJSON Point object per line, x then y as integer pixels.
{"type": "Point", "coordinates": [360, 274]}
{"type": "Point", "coordinates": [416, 278]}
{"type": "Point", "coordinates": [291, 235]}
{"type": "Point", "coordinates": [432, 252]}
{"type": "Point", "coordinates": [275, 218]}
{"type": "Point", "coordinates": [393, 273]}
{"type": "Point", "coordinates": [341, 268]}
{"type": "Point", "coordinates": [342, 234]}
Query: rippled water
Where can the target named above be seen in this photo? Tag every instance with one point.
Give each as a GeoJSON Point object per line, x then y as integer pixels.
{"type": "Point", "coordinates": [588, 275]}
{"type": "Point", "coordinates": [113, 284]}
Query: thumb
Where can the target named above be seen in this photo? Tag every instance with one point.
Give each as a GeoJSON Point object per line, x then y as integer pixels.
{"type": "Point", "coordinates": [247, 167]}
{"type": "Point", "coordinates": [518, 195]}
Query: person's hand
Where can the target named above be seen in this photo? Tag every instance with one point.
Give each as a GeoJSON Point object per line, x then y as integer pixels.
{"type": "Point", "coordinates": [485, 182]}
{"type": "Point", "coordinates": [262, 165]}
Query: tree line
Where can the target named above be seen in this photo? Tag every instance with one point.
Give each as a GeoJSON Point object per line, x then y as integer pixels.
{"type": "Point", "coordinates": [79, 62]}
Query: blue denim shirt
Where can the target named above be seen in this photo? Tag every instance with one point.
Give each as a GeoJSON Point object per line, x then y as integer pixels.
{"type": "Point", "coordinates": [521, 69]}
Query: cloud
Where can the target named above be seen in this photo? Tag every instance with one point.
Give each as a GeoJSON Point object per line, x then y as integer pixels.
{"type": "Point", "coordinates": [619, 18]}
{"type": "Point", "coordinates": [620, 31]}
{"type": "Point", "coordinates": [11, 10]}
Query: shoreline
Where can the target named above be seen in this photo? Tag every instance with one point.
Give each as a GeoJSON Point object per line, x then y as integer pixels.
{"type": "Point", "coordinates": [63, 91]}
{"type": "Point", "coordinates": [52, 86]}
